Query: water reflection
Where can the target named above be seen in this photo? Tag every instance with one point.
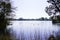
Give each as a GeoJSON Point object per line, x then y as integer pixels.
{"type": "Point", "coordinates": [34, 30]}
{"type": "Point", "coordinates": [58, 35]}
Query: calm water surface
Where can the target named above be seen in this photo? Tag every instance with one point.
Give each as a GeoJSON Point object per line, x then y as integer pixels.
{"type": "Point", "coordinates": [33, 30]}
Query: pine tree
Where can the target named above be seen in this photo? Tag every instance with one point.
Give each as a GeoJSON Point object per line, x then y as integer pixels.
{"type": "Point", "coordinates": [5, 14]}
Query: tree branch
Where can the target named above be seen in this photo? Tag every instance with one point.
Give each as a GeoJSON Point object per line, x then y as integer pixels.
{"type": "Point", "coordinates": [56, 6]}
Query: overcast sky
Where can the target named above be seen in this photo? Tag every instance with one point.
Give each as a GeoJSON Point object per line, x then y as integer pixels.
{"type": "Point", "coordinates": [30, 8]}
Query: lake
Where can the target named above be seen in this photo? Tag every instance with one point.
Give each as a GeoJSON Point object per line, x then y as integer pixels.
{"type": "Point", "coordinates": [33, 30]}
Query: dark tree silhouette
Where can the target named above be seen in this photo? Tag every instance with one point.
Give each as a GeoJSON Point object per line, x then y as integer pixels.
{"type": "Point", "coordinates": [54, 8]}
{"type": "Point", "coordinates": [42, 18]}
{"type": "Point", "coordinates": [5, 14]}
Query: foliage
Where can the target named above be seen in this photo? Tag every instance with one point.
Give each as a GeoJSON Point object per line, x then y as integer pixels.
{"type": "Point", "coordinates": [53, 8]}
{"type": "Point", "coordinates": [5, 13]}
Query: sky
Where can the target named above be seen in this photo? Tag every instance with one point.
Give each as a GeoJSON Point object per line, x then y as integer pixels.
{"type": "Point", "coordinates": [30, 8]}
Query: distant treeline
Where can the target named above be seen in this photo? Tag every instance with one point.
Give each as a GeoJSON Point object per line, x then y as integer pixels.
{"type": "Point", "coordinates": [39, 19]}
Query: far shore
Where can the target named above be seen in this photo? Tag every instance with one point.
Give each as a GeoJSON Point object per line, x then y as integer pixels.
{"type": "Point", "coordinates": [29, 19]}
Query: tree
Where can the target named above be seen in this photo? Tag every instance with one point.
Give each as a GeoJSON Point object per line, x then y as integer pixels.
{"type": "Point", "coordinates": [54, 8]}
{"type": "Point", "coordinates": [5, 14]}
{"type": "Point", "coordinates": [42, 18]}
